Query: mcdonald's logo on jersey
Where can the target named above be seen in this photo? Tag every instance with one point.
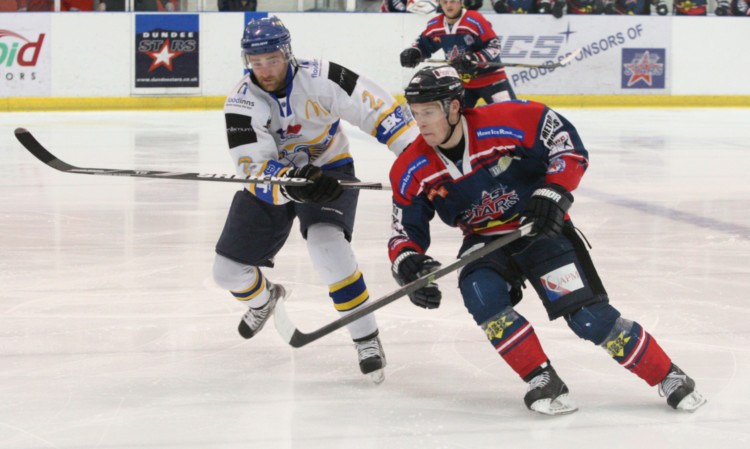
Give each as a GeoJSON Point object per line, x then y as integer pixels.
{"type": "Point", "coordinates": [316, 108]}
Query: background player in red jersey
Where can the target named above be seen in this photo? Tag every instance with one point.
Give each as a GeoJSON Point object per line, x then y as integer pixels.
{"type": "Point", "coordinates": [488, 170]}
{"type": "Point", "coordinates": [466, 38]}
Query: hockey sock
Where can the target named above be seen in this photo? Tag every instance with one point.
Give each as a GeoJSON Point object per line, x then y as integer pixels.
{"type": "Point", "coordinates": [257, 294]}
{"type": "Point", "coordinates": [349, 294]}
{"type": "Point", "coordinates": [334, 260]}
{"type": "Point", "coordinates": [515, 340]}
{"type": "Point", "coordinates": [636, 350]}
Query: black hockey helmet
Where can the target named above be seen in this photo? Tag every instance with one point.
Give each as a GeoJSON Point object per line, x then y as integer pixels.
{"type": "Point", "coordinates": [434, 83]}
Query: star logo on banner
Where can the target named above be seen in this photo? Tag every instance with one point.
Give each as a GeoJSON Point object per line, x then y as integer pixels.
{"type": "Point", "coordinates": [163, 57]}
{"type": "Point", "coordinates": [643, 67]}
{"type": "Point", "coordinates": [567, 33]}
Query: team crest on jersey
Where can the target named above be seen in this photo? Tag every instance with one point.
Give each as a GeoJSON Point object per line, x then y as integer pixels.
{"type": "Point", "coordinates": [295, 153]}
{"type": "Point", "coordinates": [556, 166]}
{"type": "Point", "coordinates": [453, 53]}
{"type": "Point", "coordinates": [469, 39]}
{"type": "Point", "coordinates": [493, 205]}
{"type": "Point", "coordinates": [560, 282]}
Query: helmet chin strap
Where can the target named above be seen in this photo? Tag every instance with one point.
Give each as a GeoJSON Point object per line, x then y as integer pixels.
{"type": "Point", "coordinates": [453, 126]}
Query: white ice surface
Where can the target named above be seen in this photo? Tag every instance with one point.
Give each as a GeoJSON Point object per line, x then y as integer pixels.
{"type": "Point", "coordinates": [112, 334]}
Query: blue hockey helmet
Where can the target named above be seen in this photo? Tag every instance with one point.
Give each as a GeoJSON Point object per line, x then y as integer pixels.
{"type": "Point", "coordinates": [266, 35]}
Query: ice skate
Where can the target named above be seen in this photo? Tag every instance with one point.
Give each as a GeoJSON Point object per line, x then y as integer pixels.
{"type": "Point", "coordinates": [254, 319]}
{"type": "Point", "coordinates": [371, 357]}
{"type": "Point", "coordinates": [547, 393]}
{"type": "Point", "coordinates": [679, 389]}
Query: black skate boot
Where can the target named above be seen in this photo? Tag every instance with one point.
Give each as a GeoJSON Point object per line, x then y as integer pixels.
{"type": "Point", "coordinates": [679, 389]}
{"type": "Point", "coordinates": [547, 393]}
{"type": "Point", "coordinates": [254, 319]}
{"type": "Point", "coordinates": [371, 357]}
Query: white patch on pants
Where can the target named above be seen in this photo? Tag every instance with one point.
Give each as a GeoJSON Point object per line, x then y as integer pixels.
{"type": "Point", "coordinates": [562, 281]}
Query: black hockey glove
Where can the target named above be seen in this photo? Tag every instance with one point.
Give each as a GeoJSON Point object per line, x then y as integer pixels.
{"type": "Point", "coordinates": [546, 208]}
{"type": "Point", "coordinates": [465, 63]}
{"type": "Point", "coordinates": [544, 7]}
{"type": "Point", "coordinates": [410, 57]}
{"type": "Point", "coordinates": [472, 4]}
{"type": "Point", "coordinates": [722, 9]}
{"type": "Point", "coordinates": [558, 8]}
{"type": "Point", "coordinates": [323, 188]}
{"type": "Point", "coordinates": [661, 8]}
{"type": "Point", "coordinates": [409, 266]}
{"type": "Point", "coordinates": [500, 6]}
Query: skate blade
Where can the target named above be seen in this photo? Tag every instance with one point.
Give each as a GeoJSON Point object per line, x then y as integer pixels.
{"type": "Point", "coordinates": [562, 405]}
{"type": "Point", "coordinates": [691, 402]}
{"type": "Point", "coordinates": [377, 376]}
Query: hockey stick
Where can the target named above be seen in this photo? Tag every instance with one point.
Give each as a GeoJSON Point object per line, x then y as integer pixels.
{"type": "Point", "coordinates": [554, 65]}
{"type": "Point", "coordinates": [41, 153]}
{"type": "Point", "coordinates": [297, 338]}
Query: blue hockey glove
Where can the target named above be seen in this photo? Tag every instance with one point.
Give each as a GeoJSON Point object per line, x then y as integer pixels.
{"type": "Point", "coordinates": [409, 266]}
{"type": "Point", "coordinates": [323, 188]}
{"type": "Point", "coordinates": [410, 57]}
{"type": "Point", "coordinates": [465, 63]}
{"type": "Point", "coordinates": [546, 208]}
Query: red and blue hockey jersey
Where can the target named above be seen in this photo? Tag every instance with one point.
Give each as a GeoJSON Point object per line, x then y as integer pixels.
{"type": "Point", "coordinates": [511, 149]}
{"type": "Point", "coordinates": [471, 33]}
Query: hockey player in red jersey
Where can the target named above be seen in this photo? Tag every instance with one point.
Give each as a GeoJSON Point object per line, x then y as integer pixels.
{"type": "Point", "coordinates": [466, 38]}
{"type": "Point", "coordinates": [486, 171]}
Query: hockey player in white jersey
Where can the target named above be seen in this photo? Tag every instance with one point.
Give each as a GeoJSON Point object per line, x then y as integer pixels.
{"type": "Point", "coordinates": [284, 119]}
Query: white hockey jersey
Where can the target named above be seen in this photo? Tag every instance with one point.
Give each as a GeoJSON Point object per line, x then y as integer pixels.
{"type": "Point", "coordinates": [267, 135]}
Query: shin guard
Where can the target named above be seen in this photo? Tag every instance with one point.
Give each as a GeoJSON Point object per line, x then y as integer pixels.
{"type": "Point", "coordinates": [515, 340]}
{"type": "Point", "coordinates": [636, 350]}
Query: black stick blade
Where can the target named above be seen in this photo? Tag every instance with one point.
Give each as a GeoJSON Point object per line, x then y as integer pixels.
{"type": "Point", "coordinates": [34, 147]}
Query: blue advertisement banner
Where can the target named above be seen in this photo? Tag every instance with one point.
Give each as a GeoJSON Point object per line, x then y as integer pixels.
{"type": "Point", "coordinates": [167, 50]}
